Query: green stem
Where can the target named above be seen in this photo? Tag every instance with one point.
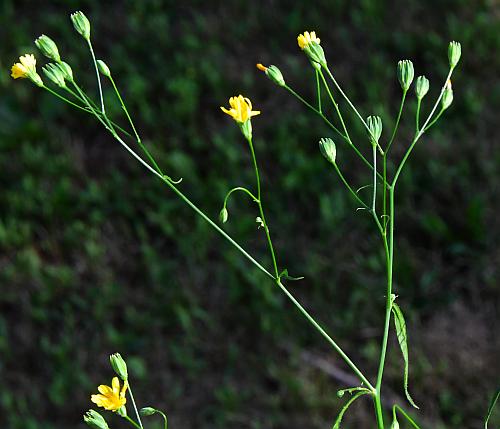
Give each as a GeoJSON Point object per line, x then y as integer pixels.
{"type": "Point", "coordinates": [97, 76]}
{"type": "Point", "coordinates": [132, 422]}
{"type": "Point", "coordinates": [164, 418]}
{"type": "Point", "coordinates": [345, 96]}
{"type": "Point", "coordinates": [139, 141]}
{"type": "Point", "coordinates": [135, 407]}
{"type": "Point", "coordinates": [417, 115]}
{"type": "Point", "coordinates": [318, 89]}
{"type": "Point", "coordinates": [65, 99]}
{"type": "Point", "coordinates": [374, 200]}
{"type": "Point", "coordinates": [261, 209]}
{"type": "Point", "coordinates": [349, 188]}
{"type": "Point", "coordinates": [434, 120]}
{"type": "Point", "coordinates": [397, 121]}
{"type": "Point", "coordinates": [339, 350]}
{"type": "Point", "coordinates": [406, 415]}
{"type": "Point", "coordinates": [241, 189]}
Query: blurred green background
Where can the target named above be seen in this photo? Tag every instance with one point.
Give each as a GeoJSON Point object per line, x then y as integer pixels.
{"type": "Point", "coordinates": [96, 256]}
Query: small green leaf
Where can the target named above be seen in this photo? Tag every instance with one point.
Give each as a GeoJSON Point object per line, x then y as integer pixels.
{"type": "Point", "coordinates": [493, 402]}
{"type": "Point", "coordinates": [400, 324]}
{"type": "Point", "coordinates": [284, 275]}
{"type": "Point", "coordinates": [336, 425]}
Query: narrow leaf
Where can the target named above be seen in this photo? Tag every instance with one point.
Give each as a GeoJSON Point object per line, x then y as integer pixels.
{"type": "Point", "coordinates": [493, 402]}
{"type": "Point", "coordinates": [336, 425]}
{"type": "Point", "coordinates": [400, 324]}
{"type": "Point", "coordinates": [284, 275]}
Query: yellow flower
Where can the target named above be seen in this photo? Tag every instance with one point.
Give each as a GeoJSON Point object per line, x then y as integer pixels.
{"type": "Point", "coordinates": [25, 66]}
{"type": "Point", "coordinates": [305, 39]}
{"type": "Point", "coordinates": [240, 109]}
{"type": "Point", "coordinates": [111, 398]}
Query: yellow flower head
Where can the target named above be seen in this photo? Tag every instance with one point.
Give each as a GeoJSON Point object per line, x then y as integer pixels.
{"type": "Point", "coordinates": [111, 398]}
{"type": "Point", "coordinates": [25, 67]}
{"type": "Point", "coordinates": [240, 109]}
{"type": "Point", "coordinates": [306, 38]}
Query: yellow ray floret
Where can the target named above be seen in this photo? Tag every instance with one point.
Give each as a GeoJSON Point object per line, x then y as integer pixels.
{"type": "Point", "coordinates": [306, 38]}
{"type": "Point", "coordinates": [25, 66]}
{"type": "Point", "coordinates": [111, 398]}
{"type": "Point", "coordinates": [240, 109]}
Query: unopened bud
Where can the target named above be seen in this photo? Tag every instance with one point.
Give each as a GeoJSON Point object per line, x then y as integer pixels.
{"type": "Point", "coordinates": [119, 366]}
{"type": "Point", "coordinates": [395, 424]}
{"type": "Point", "coordinates": [405, 74]}
{"type": "Point", "coordinates": [48, 47]}
{"type": "Point", "coordinates": [375, 128]}
{"type": "Point", "coordinates": [103, 68]}
{"type": "Point", "coordinates": [81, 24]}
{"type": "Point", "coordinates": [54, 74]}
{"type": "Point", "coordinates": [447, 96]}
{"type": "Point", "coordinates": [66, 70]}
{"type": "Point", "coordinates": [421, 87]}
{"type": "Point", "coordinates": [223, 215]}
{"type": "Point", "coordinates": [95, 420]}
{"type": "Point", "coordinates": [328, 149]}
{"type": "Point", "coordinates": [454, 53]}
{"type": "Point", "coordinates": [147, 411]}
{"type": "Point", "coordinates": [273, 73]}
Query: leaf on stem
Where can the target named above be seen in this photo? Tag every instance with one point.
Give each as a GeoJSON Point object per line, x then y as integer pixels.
{"type": "Point", "coordinates": [284, 275]}
{"type": "Point", "coordinates": [400, 324]}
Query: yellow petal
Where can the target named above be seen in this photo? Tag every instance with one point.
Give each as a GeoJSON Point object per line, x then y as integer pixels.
{"type": "Point", "coordinates": [116, 386]}
{"type": "Point", "coordinates": [105, 390]}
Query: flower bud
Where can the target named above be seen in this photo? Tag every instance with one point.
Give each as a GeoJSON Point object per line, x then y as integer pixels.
{"type": "Point", "coordinates": [421, 87]}
{"type": "Point", "coordinates": [103, 68]}
{"type": "Point", "coordinates": [54, 74]}
{"type": "Point", "coordinates": [81, 24]}
{"type": "Point", "coordinates": [454, 53]}
{"type": "Point", "coordinates": [395, 424]}
{"type": "Point", "coordinates": [405, 74]}
{"type": "Point", "coordinates": [119, 366]}
{"type": "Point", "coordinates": [122, 411]}
{"type": "Point", "coordinates": [328, 149]}
{"type": "Point", "coordinates": [223, 215]}
{"type": "Point", "coordinates": [447, 96]}
{"type": "Point", "coordinates": [273, 73]}
{"type": "Point", "coordinates": [147, 411]}
{"type": "Point", "coordinates": [315, 53]}
{"type": "Point", "coordinates": [95, 420]}
{"type": "Point", "coordinates": [375, 127]}
{"type": "Point", "coordinates": [48, 47]}
{"type": "Point", "coordinates": [36, 79]}
{"type": "Point", "coordinates": [66, 70]}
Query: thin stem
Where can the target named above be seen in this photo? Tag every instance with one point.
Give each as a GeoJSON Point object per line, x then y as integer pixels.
{"type": "Point", "coordinates": [318, 89]}
{"type": "Point", "coordinates": [261, 209]}
{"type": "Point", "coordinates": [406, 415]}
{"type": "Point", "coordinates": [97, 75]}
{"type": "Point", "coordinates": [374, 200]}
{"type": "Point", "coordinates": [349, 188]}
{"type": "Point", "coordinates": [397, 121]}
{"type": "Point", "coordinates": [65, 99]}
{"type": "Point", "coordinates": [435, 119]}
{"type": "Point", "coordinates": [346, 358]}
{"type": "Point", "coordinates": [132, 422]}
{"type": "Point", "coordinates": [345, 96]}
{"type": "Point", "coordinates": [164, 418]}
{"type": "Point", "coordinates": [139, 141]}
{"type": "Point", "coordinates": [240, 189]}
{"type": "Point", "coordinates": [417, 115]}
{"type": "Point", "coordinates": [135, 407]}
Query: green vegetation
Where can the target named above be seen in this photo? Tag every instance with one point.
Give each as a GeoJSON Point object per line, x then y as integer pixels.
{"type": "Point", "coordinates": [93, 261]}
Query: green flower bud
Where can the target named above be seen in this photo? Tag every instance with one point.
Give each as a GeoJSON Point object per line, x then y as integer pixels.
{"type": "Point", "coordinates": [36, 79]}
{"type": "Point", "coordinates": [454, 53]}
{"type": "Point", "coordinates": [328, 149]}
{"type": "Point", "coordinates": [119, 366]}
{"type": "Point", "coordinates": [447, 96]}
{"type": "Point", "coordinates": [95, 420]}
{"type": "Point", "coordinates": [421, 87]}
{"type": "Point", "coordinates": [54, 74]}
{"type": "Point", "coordinates": [103, 68]}
{"type": "Point", "coordinates": [48, 47]}
{"type": "Point", "coordinates": [375, 128]}
{"type": "Point", "coordinates": [81, 24]}
{"type": "Point", "coordinates": [147, 411]}
{"type": "Point", "coordinates": [405, 74]}
{"type": "Point", "coordinates": [273, 73]}
{"type": "Point", "coordinates": [122, 411]}
{"type": "Point", "coordinates": [66, 70]}
{"type": "Point", "coordinates": [223, 215]}
{"type": "Point", "coordinates": [315, 53]}
{"type": "Point", "coordinates": [395, 424]}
